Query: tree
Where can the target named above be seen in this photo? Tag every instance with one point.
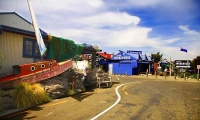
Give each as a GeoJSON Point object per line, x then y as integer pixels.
{"type": "Point", "coordinates": [156, 57]}
{"type": "Point", "coordinates": [195, 62]}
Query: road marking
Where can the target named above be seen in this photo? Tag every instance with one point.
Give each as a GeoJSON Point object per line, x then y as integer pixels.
{"type": "Point", "coordinates": [117, 77]}
{"type": "Point", "coordinates": [49, 114]}
{"type": "Point", "coordinates": [101, 90]}
{"type": "Point", "coordinates": [126, 93]}
{"type": "Point", "coordinates": [119, 98]}
{"type": "Point", "coordinates": [124, 88]}
{"type": "Point", "coordinates": [57, 103]}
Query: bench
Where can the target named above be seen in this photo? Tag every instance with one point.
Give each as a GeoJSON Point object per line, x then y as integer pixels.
{"type": "Point", "coordinates": [103, 78]}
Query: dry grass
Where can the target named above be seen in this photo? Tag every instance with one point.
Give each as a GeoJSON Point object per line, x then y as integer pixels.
{"type": "Point", "coordinates": [27, 95]}
{"type": "Point", "coordinates": [39, 94]}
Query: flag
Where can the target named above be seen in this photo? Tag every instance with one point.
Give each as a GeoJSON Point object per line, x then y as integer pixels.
{"type": "Point", "coordinates": [184, 50]}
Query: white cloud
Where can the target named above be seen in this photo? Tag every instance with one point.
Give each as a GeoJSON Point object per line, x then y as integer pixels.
{"type": "Point", "coordinates": [188, 31]}
{"type": "Point", "coordinates": [96, 22]}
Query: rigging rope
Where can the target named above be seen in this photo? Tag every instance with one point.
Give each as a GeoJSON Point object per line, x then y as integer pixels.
{"type": "Point", "coordinates": [51, 18]}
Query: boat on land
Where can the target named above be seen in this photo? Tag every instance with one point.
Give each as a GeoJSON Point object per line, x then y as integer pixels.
{"type": "Point", "coordinates": [34, 72]}
{"type": "Point", "coordinates": [37, 71]}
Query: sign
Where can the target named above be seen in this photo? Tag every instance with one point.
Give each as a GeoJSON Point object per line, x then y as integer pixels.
{"type": "Point", "coordinates": [134, 52]}
{"type": "Point", "coordinates": [198, 66]}
{"type": "Point", "coordinates": [121, 57]}
{"type": "Point", "coordinates": [182, 63]}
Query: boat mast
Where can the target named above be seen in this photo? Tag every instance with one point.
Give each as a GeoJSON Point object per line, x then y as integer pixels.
{"type": "Point", "coordinates": [38, 35]}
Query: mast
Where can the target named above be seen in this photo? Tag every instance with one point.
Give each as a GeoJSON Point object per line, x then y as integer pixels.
{"type": "Point", "coordinates": [38, 35]}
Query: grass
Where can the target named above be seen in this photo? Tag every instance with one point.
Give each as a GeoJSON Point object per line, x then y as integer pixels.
{"type": "Point", "coordinates": [27, 95]}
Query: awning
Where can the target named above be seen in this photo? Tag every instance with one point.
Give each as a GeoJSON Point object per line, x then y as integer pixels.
{"type": "Point", "coordinates": [105, 55]}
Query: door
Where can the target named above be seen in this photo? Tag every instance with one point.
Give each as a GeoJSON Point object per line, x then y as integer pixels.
{"type": "Point", "coordinates": [110, 69]}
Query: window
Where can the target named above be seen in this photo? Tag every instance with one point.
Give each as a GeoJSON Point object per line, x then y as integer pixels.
{"type": "Point", "coordinates": [31, 49]}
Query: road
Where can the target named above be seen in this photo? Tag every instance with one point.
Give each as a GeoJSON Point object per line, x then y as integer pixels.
{"type": "Point", "coordinates": [139, 98]}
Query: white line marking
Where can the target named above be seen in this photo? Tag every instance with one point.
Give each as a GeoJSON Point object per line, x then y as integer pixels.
{"type": "Point", "coordinates": [119, 98]}
{"type": "Point", "coordinates": [117, 78]}
{"type": "Point", "coordinates": [49, 113]}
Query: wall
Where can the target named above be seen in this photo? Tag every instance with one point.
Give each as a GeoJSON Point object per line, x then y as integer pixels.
{"type": "Point", "coordinates": [123, 68]}
{"type": "Point", "coordinates": [11, 46]}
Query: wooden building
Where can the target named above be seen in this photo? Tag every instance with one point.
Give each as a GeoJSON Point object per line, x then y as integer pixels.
{"type": "Point", "coordinates": [18, 43]}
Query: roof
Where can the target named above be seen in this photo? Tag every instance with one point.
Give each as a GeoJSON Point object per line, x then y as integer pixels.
{"type": "Point", "coordinates": [18, 30]}
{"type": "Point", "coordinates": [16, 15]}
{"type": "Point", "coordinates": [105, 55]}
{"type": "Point", "coordinates": [124, 56]}
{"type": "Point", "coordinates": [21, 31]}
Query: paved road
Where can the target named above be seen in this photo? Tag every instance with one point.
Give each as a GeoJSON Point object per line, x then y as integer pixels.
{"type": "Point", "coordinates": [141, 99]}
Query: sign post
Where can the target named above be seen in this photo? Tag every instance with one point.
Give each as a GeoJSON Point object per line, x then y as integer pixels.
{"type": "Point", "coordinates": [198, 67]}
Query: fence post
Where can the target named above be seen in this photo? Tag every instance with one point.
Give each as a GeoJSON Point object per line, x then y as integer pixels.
{"type": "Point", "coordinates": [155, 74]}
{"type": "Point", "coordinates": [147, 72]}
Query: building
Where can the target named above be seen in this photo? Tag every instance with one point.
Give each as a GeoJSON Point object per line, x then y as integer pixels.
{"type": "Point", "coordinates": [103, 59]}
{"type": "Point", "coordinates": [18, 43]}
{"type": "Point", "coordinates": [129, 63]}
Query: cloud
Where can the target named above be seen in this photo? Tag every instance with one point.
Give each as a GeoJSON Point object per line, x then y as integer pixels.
{"type": "Point", "coordinates": [108, 24]}
{"type": "Point", "coordinates": [188, 31]}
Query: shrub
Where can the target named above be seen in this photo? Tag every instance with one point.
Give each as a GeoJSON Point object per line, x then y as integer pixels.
{"type": "Point", "coordinates": [40, 95]}
{"type": "Point", "coordinates": [70, 92]}
{"type": "Point", "coordinates": [27, 95]}
{"type": "Point", "coordinates": [181, 75]}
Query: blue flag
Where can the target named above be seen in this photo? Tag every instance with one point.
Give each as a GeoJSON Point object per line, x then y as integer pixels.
{"type": "Point", "coordinates": [184, 50]}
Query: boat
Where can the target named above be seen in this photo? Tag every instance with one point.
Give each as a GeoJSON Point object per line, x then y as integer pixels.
{"type": "Point", "coordinates": [37, 71]}
{"type": "Point", "coordinates": [34, 72]}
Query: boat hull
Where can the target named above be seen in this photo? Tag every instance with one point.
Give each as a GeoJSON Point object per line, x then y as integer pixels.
{"type": "Point", "coordinates": [36, 75]}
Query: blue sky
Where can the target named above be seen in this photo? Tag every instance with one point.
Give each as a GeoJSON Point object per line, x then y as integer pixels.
{"type": "Point", "coordinates": [149, 26]}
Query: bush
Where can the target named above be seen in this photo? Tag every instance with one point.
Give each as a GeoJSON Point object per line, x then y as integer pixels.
{"type": "Point", "coordinates": [39, 94]}
{"type": "Point", "coordinates": [193, 76]}
{"type": "Point", "coordinates": [27, 95]}
{"type": "Point", "coordinates": [70, 92]}
{"type": "Point", "coordinates": [181, 75]}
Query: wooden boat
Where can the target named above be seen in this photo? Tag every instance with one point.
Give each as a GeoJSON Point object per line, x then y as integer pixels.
{"type": "Point", "coordinates": [38, 71]}
{"type": "Point", "coordinates": [34, 72]}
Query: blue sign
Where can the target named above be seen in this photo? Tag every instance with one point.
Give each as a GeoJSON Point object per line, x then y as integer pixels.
{"type": "Point", "coordinates": [134, 52]}
{"type": "Point", "coordinates": [121, 57]}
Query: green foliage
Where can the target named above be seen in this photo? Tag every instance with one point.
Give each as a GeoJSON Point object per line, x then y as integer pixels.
{"type": "Point", "coordinates": [195, 62]}
{"type": "Point", "coordinates": [27, 95]}
{"type": "Point", "coordinates": [193, 76]}
{"type": "Point", "coordinates": [70, 92]}
{"type": "Point", "coordinates": [181, 75]}
{"type": "Point", "coordinates": [156, 57]}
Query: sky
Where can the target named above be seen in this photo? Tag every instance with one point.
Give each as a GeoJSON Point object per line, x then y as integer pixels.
{"type": "Point", "coordinates": [149, 26]}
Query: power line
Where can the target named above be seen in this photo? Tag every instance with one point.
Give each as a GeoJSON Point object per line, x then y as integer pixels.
{"type": "Point", "coordinates": [50, 17]}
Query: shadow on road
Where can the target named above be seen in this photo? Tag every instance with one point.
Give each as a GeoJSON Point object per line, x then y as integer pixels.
{"type": "Point", "coordinates": [21, 114]}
